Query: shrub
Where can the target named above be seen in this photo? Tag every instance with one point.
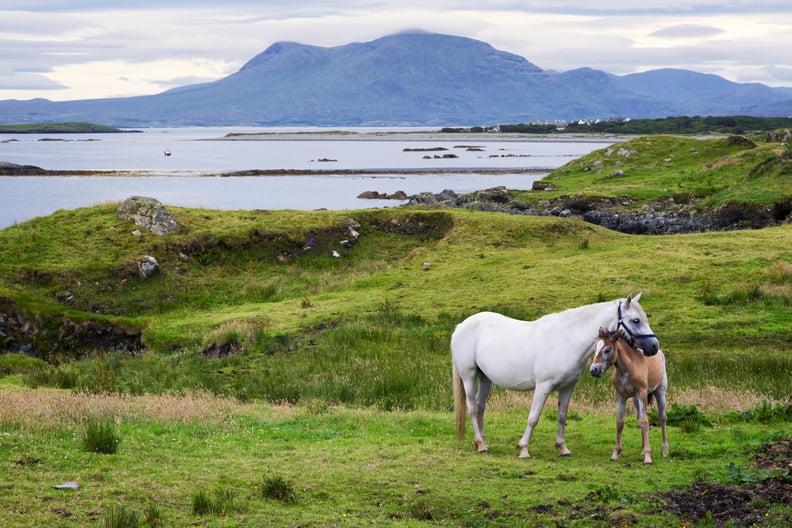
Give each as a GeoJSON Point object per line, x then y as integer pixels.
{"type": "Point", "coordinates": [100, 436]}
{"type": "Point", "coordinates": [153, 517]}
{"type": "Point", "coordinates": [120, 517]}
{"type": "Point", "coordinates": [279, 489]}
{"type": "Point", "coordinates": [767, 413]}
{"type": "Point", "coordinates": [686, 417]}
{"type": "Point", "coordinates": [223, 502]}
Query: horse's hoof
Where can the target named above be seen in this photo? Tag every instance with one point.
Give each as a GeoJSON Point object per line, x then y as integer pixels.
{"type": "Point", "coordinates": [566, 454]}
{"type": "Point", "coordinates": [524, 453]}
{"type": "Point", "coordinates": [481, 446]}
{"type": "Point", "coordinates": [647, 462]}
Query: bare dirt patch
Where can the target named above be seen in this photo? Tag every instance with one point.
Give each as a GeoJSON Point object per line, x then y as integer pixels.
{"type": "Point", "coordinates": [745, 505]}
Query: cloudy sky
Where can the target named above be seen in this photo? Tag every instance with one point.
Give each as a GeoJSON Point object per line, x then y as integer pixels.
{"type": "Point", "coordinates": [79, 49]}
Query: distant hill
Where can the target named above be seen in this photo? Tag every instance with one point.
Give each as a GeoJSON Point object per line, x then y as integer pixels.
{"type": "Point", "coordinates": [412, 79]}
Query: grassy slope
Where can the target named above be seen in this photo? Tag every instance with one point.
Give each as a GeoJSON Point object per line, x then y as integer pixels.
{"type": "Point", "coordinates": [719, 170]}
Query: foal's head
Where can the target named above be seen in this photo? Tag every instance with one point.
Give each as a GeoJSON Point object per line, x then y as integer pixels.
{"type": "Point", "coordinates": [605, 351]}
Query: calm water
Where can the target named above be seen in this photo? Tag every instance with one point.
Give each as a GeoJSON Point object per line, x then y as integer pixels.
{"type": "Point", "coordinates": [188, 177]}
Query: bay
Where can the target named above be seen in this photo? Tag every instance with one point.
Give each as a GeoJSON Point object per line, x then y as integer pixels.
{"type": "Point", "coordinates": [334, 168]}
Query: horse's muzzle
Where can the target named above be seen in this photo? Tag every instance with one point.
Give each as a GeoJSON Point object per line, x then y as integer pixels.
{"type": "Point", "coordinates": [649, 345]}
{"type": "Point", "coordinates": [597, 370]}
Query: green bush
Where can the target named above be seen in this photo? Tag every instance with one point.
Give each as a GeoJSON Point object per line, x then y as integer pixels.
{"type": "Point", "coordinates": [279, 489]}
{"type": "Point", "coordinates": [222, 502]}
{"type": "Point", "coordinates": [120, 517]}
{"type": "Point", "coordinates": [100, 436]}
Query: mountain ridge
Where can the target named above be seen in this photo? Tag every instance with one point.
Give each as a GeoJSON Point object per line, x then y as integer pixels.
{"type": "Point", "coordinates": [412, 78]}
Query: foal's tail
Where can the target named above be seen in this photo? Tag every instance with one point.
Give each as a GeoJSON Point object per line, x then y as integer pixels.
{"type": "Point", "coordinates": [460, 402]}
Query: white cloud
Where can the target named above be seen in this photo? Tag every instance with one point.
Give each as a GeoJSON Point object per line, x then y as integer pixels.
{"type": "Point", "coordinates": [82, 48]}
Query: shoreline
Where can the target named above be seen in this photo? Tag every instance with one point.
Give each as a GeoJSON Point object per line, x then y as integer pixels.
{"type": "Point", "coordinates": [484, 137]}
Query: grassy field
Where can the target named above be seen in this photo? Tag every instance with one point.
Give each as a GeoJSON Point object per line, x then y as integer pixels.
{"type": "Point", "coordinates": [278, 384]}
{"type": "Point", "coordinates": [206, 461]}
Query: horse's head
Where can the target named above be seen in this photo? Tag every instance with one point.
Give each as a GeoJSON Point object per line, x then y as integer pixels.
{"type": "Point", "coordinates": [633, 322]}
{"type": "Point", "coordinates": [605, 351]}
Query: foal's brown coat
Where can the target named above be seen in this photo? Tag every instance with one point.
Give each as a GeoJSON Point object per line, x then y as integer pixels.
{"type": "Point", "coordinates": [635, 376]}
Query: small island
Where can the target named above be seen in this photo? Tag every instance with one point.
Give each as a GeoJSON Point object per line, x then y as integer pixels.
{"type": "Point", "coordinates": [60, 128]}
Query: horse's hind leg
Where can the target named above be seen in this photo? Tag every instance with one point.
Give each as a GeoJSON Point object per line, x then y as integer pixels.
{"type": "Point", "coordinates": [564, 395]}
{"type": "Point", "coordinates": [661, 416]}
{"type": "Point", "coordinates": [539, 398]}
{"type": "Point", "coordinates": [484, 389]}
{"type": "Point", "coordinates": [476, 401]}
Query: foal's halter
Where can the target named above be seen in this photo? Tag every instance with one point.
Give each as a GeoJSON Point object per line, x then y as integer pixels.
{"type": "Point", "coordinates": [632, 335]}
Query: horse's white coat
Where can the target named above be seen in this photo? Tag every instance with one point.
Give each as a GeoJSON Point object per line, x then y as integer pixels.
{"type": "Point", "coordinates": [545, 355]}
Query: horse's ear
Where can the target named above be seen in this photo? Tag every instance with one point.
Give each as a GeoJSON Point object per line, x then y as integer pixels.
{"type": "Point", "coordinates": [630, 299]}
{"type": "Point", "coordinates": [603, 332]}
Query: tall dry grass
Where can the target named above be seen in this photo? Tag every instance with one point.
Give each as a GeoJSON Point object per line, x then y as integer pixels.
{"type": "Point", "coordinates": [42, 408]}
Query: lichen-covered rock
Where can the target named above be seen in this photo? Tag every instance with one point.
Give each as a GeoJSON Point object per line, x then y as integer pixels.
{"type": "Point", "coordinates": [148, 213]}
{"type": "Point", "coordinates": [147, 266]}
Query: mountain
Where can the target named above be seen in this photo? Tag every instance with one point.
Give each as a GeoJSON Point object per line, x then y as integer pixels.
{"type": "Point", "coordinates": [412, 79]}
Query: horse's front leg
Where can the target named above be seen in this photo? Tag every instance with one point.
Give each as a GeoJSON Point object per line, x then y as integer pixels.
{"type": "Point", "coordinates": [537, 404]}
{"type": "Point", "coordinates": [641, 402]}
{"type": "Point", "coordinates": [621, 405]}
{"type": "Point", "coordinates": [564, 395]}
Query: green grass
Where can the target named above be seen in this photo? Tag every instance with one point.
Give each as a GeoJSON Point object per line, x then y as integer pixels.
{"type": "Point", "coordinates": [372, 327]}
{"type": "Point", "coordinates": [99, 436]}
{"type": "Point", "coordinates": [58, 128]}
{"type": "Point", "coordinates": [332, 381]}
{"type": "Point", "coordinates": [716, 171]}
{"type": "Point", "coordinates": [360, 467]}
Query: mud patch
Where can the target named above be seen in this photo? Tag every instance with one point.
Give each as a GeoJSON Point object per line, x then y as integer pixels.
{"type": "Point", "coordinates": [741, 505]}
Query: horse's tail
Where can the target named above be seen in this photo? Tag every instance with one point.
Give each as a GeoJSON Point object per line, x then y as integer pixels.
{"type": "Point", "coordinates": [460, 402]}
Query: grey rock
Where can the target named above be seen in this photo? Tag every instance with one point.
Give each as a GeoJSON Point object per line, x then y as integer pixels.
{"type": "Point", "coordinates": [148, 213]}
{"type": "Point", "coordinates": [147, 266]}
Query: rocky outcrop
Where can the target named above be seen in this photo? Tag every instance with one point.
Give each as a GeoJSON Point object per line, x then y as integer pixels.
{"type": "Point", "coordinates": [56, 336]}
{"type": "Point", "coordinates": [12, 169]}
{"type": "Point", "coordinates": [376, 195]}
{"type": "Point", "coordinates": [148, 213]}
{"type": "Point", "coordinates": [663, 216]}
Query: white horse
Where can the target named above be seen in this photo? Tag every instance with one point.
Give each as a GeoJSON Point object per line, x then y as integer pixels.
{"type": "Point", "coordinates": [546, 355]}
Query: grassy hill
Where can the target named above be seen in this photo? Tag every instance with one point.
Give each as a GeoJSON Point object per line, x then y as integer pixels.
{"type": "Point", "coordinates": [336, 354]}
{"type": "Point", "coordinates": [717, 171]}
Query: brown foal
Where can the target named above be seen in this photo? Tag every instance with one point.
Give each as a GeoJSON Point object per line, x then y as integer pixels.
{"type": "Point", "coordinates": [635, 376]}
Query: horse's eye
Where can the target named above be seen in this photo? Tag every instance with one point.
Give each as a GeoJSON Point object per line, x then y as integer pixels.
{"type": "Point", "coordinates": [636, 321]}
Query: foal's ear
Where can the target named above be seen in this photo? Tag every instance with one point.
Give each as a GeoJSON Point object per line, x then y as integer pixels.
{"type": "Point", "coordinates": [603, 332]}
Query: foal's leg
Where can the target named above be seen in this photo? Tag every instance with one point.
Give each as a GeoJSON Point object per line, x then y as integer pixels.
{"type": "Point", "coordinates": [621, 406]}
{"type": "Point", "coordinates": [641, 400]}
{"type": "Point", "coordinates": [564, 395]}
{"type": "Point", "coordinates": [661, 415]}
{"type": "Point", "coordinates": [541, 392]}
